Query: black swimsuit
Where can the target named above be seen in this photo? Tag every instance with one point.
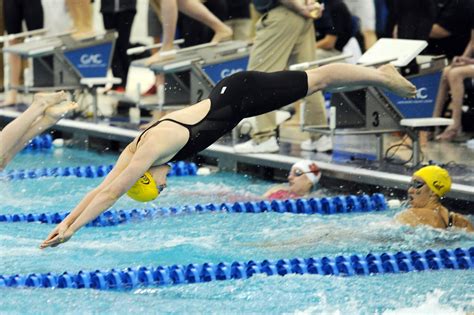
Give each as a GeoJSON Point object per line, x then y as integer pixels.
{"type": "Point", "coordinates": [450, 220]}
{"type": "Point", "coordinates": [244, 94]}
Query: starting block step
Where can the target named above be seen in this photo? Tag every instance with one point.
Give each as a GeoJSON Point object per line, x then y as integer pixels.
{"type": "Point", "coordinates": [426, 122]}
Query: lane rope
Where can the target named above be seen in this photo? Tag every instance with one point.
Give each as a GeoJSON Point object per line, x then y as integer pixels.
{"type": "Point", "coordinates": [39, 143]}
{"type": "Point", "coordinates": [180, 168]}
{"type": "Point", "coordinates": [326, 205]}
{"type": "Point", "coordinates": [354, 265]}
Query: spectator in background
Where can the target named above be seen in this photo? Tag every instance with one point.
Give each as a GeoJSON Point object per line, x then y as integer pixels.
{"type": "Point", "coordinates": [451, 30]}
{"type": "Point", "coordinates": [155, 30]}
{"type": "Point", "coordinates": [56, 17]}
{"type": "Point", "coordinates": [239, 19]}
{"type": "Point", "coordinates": [154, 26]}
{"type": "Point", "coordinates": [195, 32]}
{"type": "Point", "coordinates": [81, 14]}
{"type": "Point", "coordinates": [285, 31]}
{"type": "Point", "coordinates": [452, 81]}
{"type": "Point", "coordinates": [382, 17]}
{"type": "Point", "coordinates": [365, 11]}
{"type": "Point", "coordinates": [413, 19]}
{"type": "Point", "coordinates": [118, 15]}
{"type": "Point", "coordinates": [14, 13]}
{"type": "Point", "coordinates": [333, 29]}
{"type": "Point", "coordinates": [254, 17]}
{"type": "Point", "coordinates": [191, 30]}
{"type": "Point", "coordinates": [168, 12]}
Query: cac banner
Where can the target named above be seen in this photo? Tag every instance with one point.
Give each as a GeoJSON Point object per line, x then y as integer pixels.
{"type": "Point", "coordinates": [219, 71]}
{"type": "Point", "coordinates": [92, 61]}
{"type": "Point", "coordinates": [423, 105]}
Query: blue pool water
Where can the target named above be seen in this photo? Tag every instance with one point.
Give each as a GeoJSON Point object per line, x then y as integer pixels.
{"type": "Point", "coordinates": [215, 237]}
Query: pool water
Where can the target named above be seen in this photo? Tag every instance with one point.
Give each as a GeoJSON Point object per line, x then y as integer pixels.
{"type": "Point", "coordinates": [216, 237]}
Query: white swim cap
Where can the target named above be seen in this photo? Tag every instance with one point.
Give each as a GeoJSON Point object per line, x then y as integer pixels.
{"type": "Point", "coordinates": [310, 169]}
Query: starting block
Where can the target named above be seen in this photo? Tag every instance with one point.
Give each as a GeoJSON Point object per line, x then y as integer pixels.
{"type": "Point", "coordinates": [375, 111]}
{"type": "Point", "coordinates": [203, 66]}
{"type": "Point", "coordinates": [61, 62]}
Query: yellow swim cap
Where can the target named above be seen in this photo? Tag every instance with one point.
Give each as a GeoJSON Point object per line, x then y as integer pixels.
{"type": "Point", "coordinates": [437, 178]}
{"type": "Point", "coordinates": [144, 189]}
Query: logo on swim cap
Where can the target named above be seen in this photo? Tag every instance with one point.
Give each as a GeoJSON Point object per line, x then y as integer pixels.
{"type": "Point", "coordinates": [144, 189]}
{"type": "Point", "coordinates": [437, 179]}
{"type": "Point", "coordinates": [438, 185]}
{"type": "Point", "coordinates": [145, 180]}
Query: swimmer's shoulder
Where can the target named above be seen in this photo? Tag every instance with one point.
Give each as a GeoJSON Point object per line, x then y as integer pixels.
{"type": "Point", "coordinates": [276, 188]}
{"type": "Point", "coordinates": [417, 216]}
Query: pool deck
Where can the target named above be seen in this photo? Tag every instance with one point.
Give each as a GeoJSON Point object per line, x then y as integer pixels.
{"type": "Point", "coordinates": [358, 173]}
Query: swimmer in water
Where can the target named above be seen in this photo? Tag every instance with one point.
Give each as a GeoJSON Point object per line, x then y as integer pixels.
{"type": "Point", "coordinates": [427, 186]}
{"type": "Point", "coordinates": [302, 179]}
{"type": "Point", "coordinates": [43, 113]}
{"type": "Point", "coordinates": [142, 167]}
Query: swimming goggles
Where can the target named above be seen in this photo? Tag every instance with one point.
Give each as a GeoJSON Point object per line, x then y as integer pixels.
{"type": "Point", "coordinates": [298, 172]}
{"type": "Point", "coordinates": [161, 187]}
{"type": "Point", "coordinates": [416, 184]}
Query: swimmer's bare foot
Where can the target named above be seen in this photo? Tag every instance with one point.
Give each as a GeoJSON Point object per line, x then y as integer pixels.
{"type": "Point", "coordinates": [160, 56]}
{"type": "Point", "coordinates": [83, 34]}
{"type": "Point", "coordinates": [58, 111]}
{"type": "Point", "coordinates": [396, 82]}
{"type": "Point", "coordinates": [222, 35]}
{"type": "Point", "coordinates": [44, 100]}
{"type": "Point", "coordinates": [10, 98]}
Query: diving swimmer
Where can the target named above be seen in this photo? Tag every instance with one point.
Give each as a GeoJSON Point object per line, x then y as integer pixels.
{"type": "Point", "coordinates": [185, 132]}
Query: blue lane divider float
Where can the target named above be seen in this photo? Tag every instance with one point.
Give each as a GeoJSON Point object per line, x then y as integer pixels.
{"type": "Point", "coordinates": [354, 265]}
{"type": "Point", "coordinates": [180, 168]}
{"type": "Point", "coordinates": [41, 142]}
{"type": "Point", "coordinates": [326, 205]}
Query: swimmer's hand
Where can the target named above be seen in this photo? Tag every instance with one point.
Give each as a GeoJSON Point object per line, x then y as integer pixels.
{"type": "Point", "coordinates": [60, 234]}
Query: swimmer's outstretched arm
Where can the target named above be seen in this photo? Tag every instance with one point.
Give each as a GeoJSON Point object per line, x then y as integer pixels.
{"type": "Point", "coordinates": [119, 167]}
{"type": "Point", "coordinates": [102, 197]}
{"type": "Point", "coordinates": [129, 168]}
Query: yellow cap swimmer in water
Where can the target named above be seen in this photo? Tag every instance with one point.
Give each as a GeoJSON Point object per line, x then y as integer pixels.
{"type": "Point", "coordinates": [145, 189]}
{"type": "Point", "coordinates": [437, 179]}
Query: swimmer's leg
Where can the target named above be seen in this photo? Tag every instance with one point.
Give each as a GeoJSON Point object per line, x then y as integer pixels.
{"type": "Point", "coordinates": [339, 77]}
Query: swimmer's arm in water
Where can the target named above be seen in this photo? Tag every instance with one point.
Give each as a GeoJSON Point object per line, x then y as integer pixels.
{"type": "Point", "coordinates": [462, 222]}
{"type": "Point", "coordinates": [122, 162]}
{"type": "Point", "coordinates": [100, 199]}
{"type": "Point", "coordinates": [129, 169]}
